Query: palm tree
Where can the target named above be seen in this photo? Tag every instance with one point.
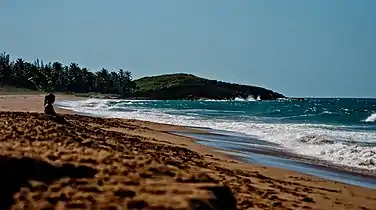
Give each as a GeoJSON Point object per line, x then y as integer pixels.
{"type": "Point", "coordinates": [125, 84]}
{"type": "Point", "coordinates": [5, 69]}
{"type": "Point", "coordinates": [57, 77]}
{"type": "Point", "coordinates": [131, 85]}
{"type": "Point", "coordinates": [102, 81]}
{"type": "Point", "coordinates": [19, 72]}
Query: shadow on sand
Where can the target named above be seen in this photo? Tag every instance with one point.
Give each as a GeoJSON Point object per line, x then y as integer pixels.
{"type": "Point", "coordinates": [16, 173]}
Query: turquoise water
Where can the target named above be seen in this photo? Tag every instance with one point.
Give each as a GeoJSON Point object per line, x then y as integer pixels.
{"type": "Point", "coordinates": [341, 131]}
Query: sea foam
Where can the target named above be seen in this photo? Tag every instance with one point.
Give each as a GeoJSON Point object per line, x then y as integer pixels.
{"type": "Point", "coordinates": [371, 118]}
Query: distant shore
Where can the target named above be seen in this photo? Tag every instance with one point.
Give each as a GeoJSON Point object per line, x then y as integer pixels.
{"type": "Point", "coordinates": [166, 167]}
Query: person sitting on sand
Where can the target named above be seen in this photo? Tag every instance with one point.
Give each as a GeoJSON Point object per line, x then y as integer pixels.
{"type": "Point", "coordinates": [48, 107]}
{"type": "Point", "coordinates": [50, 111]}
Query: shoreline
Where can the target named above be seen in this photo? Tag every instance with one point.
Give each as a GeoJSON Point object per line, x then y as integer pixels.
{"type": "Point", "coordinates": [290, 161]}
{"type": "Point", "coordinates": [275, 152]}
{"type": "Point", "coordinates": [249, 182]}
{"type": "Point", "coordinates": [191, 131]}
{"type": "Point", "coordinates": [312, 163]}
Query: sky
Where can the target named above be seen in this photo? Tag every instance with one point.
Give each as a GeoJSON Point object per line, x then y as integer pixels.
{"type": "Point", "coordinates": [319, 48]}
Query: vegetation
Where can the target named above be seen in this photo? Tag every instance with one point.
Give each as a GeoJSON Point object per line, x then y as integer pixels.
{"type": "Point", "coordinates": [187, 86]}
{"type": "Point", "coordinates": [56, 77]}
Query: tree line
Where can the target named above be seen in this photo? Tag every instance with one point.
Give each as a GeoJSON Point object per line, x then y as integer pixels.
{"type": "Point", "coordinates": [57, 77]}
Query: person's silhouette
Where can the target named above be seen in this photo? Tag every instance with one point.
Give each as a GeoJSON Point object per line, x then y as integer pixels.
{"type": "Point", "coordinates": [48, 105]}
{"type": "Point", "coordinates": [50, 111]}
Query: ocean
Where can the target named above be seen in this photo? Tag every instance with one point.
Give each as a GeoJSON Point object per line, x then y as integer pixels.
{"type": "Point", "coordinates": [339, 131]}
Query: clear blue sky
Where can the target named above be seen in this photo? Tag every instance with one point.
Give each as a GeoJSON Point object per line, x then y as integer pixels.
{"type": "Point", "coordinates": [297, 47]}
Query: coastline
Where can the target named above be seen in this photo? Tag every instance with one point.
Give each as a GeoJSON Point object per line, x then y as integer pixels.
{"type": "Point", "coordinates": [279, 158]}
{"type": "Point", "coordinates": [254, 186]}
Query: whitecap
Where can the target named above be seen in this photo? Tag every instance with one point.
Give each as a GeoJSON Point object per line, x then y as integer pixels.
{"type": "Point", "coordinates": [371, 118]}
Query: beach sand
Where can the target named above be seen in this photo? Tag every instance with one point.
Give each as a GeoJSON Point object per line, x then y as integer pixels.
{"type": "Point", "coordinates": [97, 163]}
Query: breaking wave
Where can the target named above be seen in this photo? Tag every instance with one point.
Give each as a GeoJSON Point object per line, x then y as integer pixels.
{"type": "Point", "coordinates": [371, 118]}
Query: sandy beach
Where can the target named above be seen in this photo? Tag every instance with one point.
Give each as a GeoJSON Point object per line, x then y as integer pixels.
{"type": "Point", "coordinates": [97, 163]}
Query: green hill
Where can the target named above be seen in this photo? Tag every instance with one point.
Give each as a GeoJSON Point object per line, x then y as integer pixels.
{"type": "Point", "coordinates": [191, 87]}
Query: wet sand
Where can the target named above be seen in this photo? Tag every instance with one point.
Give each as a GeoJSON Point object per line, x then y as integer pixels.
{"type": "Point", "coordinates": [96, 163]}
{"type": "Point", "coordinates": [265, 153]}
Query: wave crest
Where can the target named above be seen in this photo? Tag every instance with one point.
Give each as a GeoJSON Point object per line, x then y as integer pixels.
{"type": "Point", "coordinates": [371, 118]}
